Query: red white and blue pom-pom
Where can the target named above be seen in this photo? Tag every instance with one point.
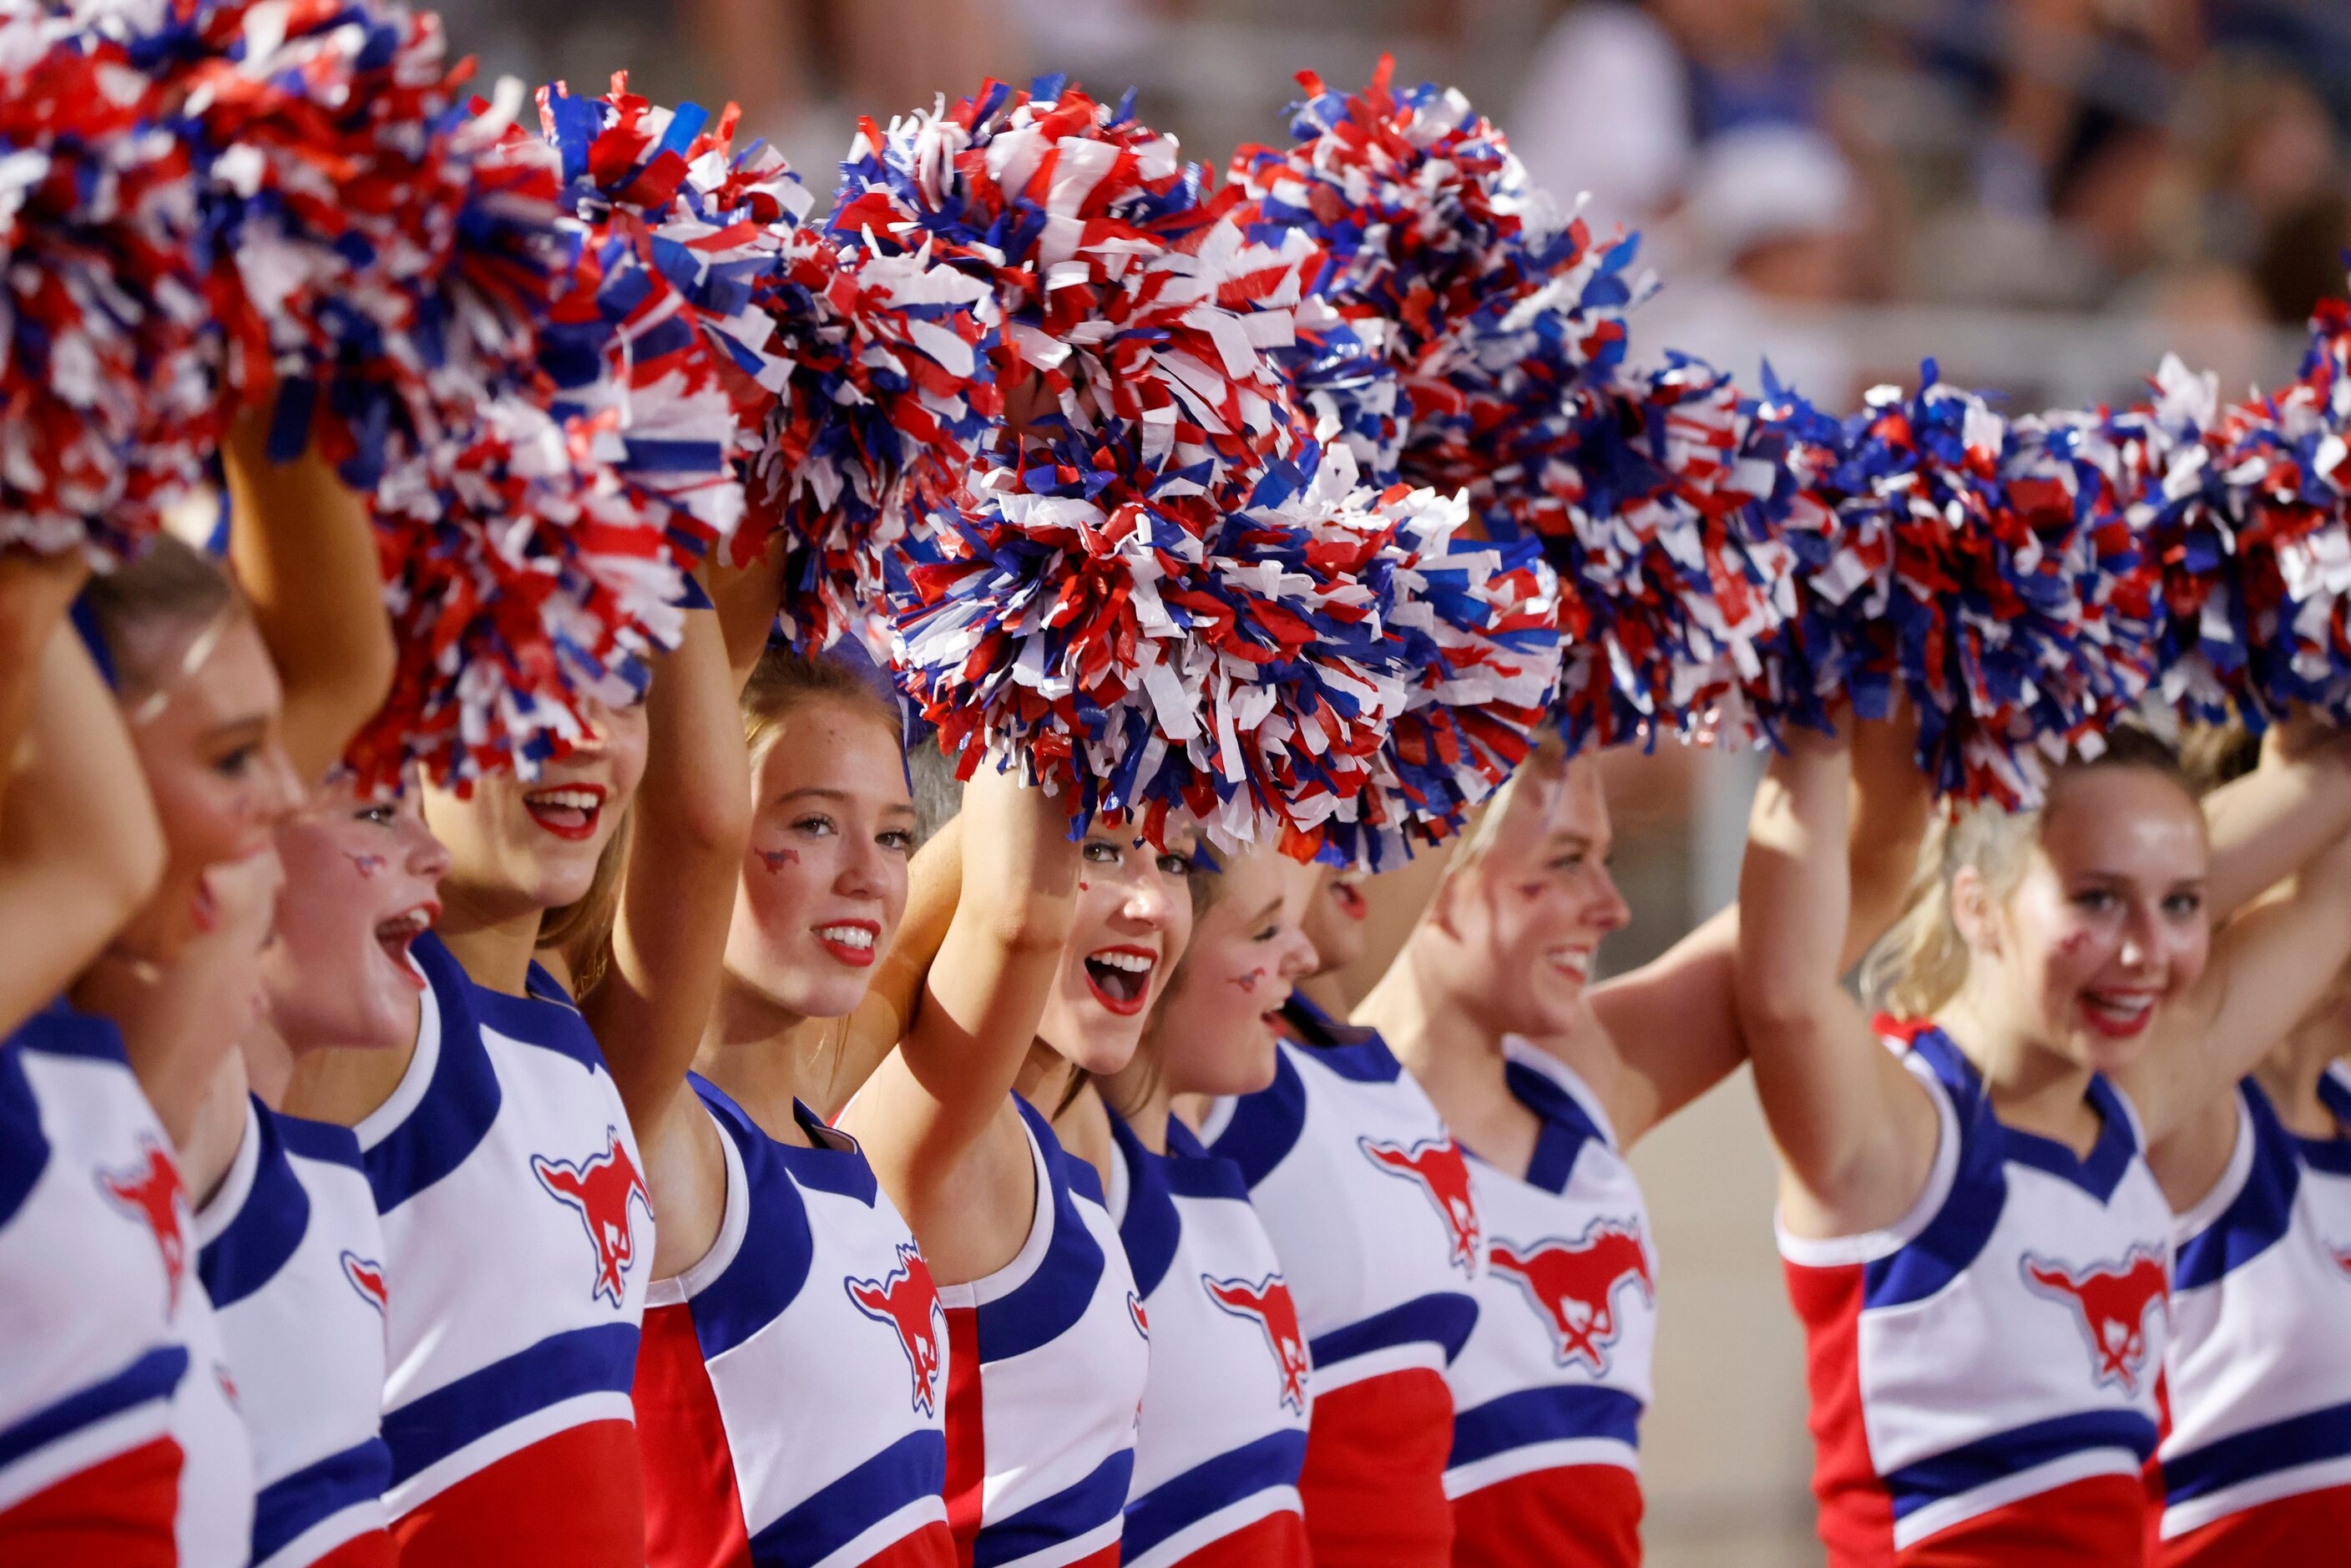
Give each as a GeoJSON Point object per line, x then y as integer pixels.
{"type": "Point", "coordinates": [891, 398]}
{"type": "Point", "coordinates": [376, 239]}
{"type": "Point", "coordinates": [105, 408]}
{"type": "Point", "coordinates": [1143, 314]}
{"type": "Point", "coordinates": [1239, 681]}
{"type": "Point", "coordinates": [1490, 305]}
{"type": "Point", "coordinates": [524, 576]}
{"type": "Point", "coordinates": [1663, 518]}
{"type": "Point", "coordinates": [1474, 624]}
{"type": "Point", "coordinates": [1968, 565]}
{"type": "Point", "coordinates": [662, 337]}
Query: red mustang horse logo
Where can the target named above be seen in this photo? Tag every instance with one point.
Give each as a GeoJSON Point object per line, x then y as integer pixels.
{"type": "Point", "coordinates": [601, 1188]}
{"type": "Point", "coordinates": [367, 1279]}
{"type": "Point", "coordinates": [908, 1301]}
{"type": "Point", "coordinates": [1267, 1303]}
{"type": "Point", "coordinates": [2111, 1303]}
{"type": "Point", "coordinates": [1572, 1284]}
{"type": "Point", "coordinates": [1436, 1164]}
{"type": "Point", "coordinates": [149, 1192]}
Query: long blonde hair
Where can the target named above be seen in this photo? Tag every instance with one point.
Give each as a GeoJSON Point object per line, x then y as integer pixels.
{"type": "Point", "coordinates": [1921, 963]}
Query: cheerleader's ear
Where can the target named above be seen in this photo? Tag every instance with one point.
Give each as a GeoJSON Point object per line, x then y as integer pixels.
{"type": "Point", "coordinates": [1975, 913]}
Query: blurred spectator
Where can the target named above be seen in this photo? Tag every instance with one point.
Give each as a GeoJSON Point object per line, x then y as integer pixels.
{"type": "Point", "coordinates": [2300, 259]}
{"type": "Point", "coordinates": [1621, 95]}
{"type": "Point", "coordinates": [1770, 232]}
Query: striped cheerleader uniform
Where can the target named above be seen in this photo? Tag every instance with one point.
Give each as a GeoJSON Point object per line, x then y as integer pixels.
{"type": "Point", "coordinates": [119, 1439]}
{"type": "Point", "coordinates": [2256, 1466]}
{"type": "Point", "coordinates": [517, 1233]}
{"type": "Point", "coordinates": [1047, 1360]}
{"type": "Point", "coordinates": [293, 1259]}
{"type": "Point", "coordinates": [1548, 1392]}
{"type": "Point", "coordinates": [1223, 1433]}
{"type": "Point", "coordinates": [791, 1385]}
{"type": "Point", "coordinates": [1368, 1200]}
{"type": "Point", "coordinates": [1983, 1373]}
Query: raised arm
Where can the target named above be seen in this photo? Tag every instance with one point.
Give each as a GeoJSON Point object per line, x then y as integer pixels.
{"type": "Point", "coordinates": [1856, 1132]}
{"type": "Point", "coordinates": [2268, 967]}
{"type": "Point", "coordinates": [1673, 1024]}
{"type": "Point", "coordinates": [305, 554]}
{"type": "Point", "coordinates": [2267, 824]}
{"type": "Point", "coordinates": [80, 848]}
{"type": "Point", "coordinates": [983, 996]}
{"type": "Point", "coordinates": [35, 593]}
{"type": "Point", "coordinates": [690, 821]}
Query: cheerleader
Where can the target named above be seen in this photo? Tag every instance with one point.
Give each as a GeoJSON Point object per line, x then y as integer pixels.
{"type": "Point", "coordinates": [1049, 975]}
{"type": "Point", "coordinates": [91, 1448]}
{"type": "Point", "coordinates": [1368, 1201]}
{"type": "Point", "coordinates": [2255, 1464]}
{"type": "Point", "coordinates": [1222, 1434]}
{"type": "Point", "coordinates": [519, 1234]}
{"type": "Point", "coordinates": [1975, 1242]}
{"type": "Point", "coordinates": [1549, 1391]}
{"type": "Point", "coordinates": [784, 1280]}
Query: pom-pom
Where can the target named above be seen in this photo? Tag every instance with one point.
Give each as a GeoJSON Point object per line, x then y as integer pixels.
{"type": "Point", "coordinates": [523, 576]}
{"type": "Point", "coordinates": [104, 402]}
{"type": "Point", "coordinates": [1474, 626]}
{"type": "Point", "coordinates": [891, 398]}
{"type": "Point", "coordinates": [1490, 307]}
{"type": "Point", "coordinates": [1970, 566]}
{"type": "Point", "coordinates": [1139, 308]}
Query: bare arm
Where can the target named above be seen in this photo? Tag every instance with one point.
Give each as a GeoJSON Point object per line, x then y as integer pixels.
{"type": "Point", "coordinates": [1673, 1023]}
{"type": "Point", "coordinates": [927, 1107]}
{"type": "Point", "coordinates": [80, 848]}
{"type": "Point", "coordinates": [2267, 824]}
{"type": "Point", "coordinates": [746, 599]}
{"type": "Point", "coordinates": [1856, 1133]}
{"type": "Point", "coordinates": [934, 888]}
{"type": "Point", "coordinates": [34, 592]}
{"type": "Point", "coordinates": [692, 817]}
{"type": "Point", "coordinates": [304, 554]}
{"type": "Point", "coordinates": [2269, 965]}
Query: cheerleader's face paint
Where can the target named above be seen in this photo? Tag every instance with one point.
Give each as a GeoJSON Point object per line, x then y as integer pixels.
{"type": "Point", "coordinates": [1335, 918]}
{"type": "Point", "coordinates": [1523, 921]}
{"type": "Point", "coordinates": [823, 883]}
{"type": "Point", "coordinates": [2106, 924]}
{"type": "Point", "coordinates": [1215, 1028]}
{"type": "Point", "coordinates": [361, 884]}
{"type": "Point", "coordinates": [209, 742]}
{"type": "Point", "coordinates": [519, 847]}
{"type": "Point", "coordinates": [1134, 915]}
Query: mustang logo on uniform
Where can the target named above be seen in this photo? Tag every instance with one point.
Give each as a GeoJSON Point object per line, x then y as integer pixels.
{"type": "Point", "coordinates": [601, 1188]}
{"type": "Point", "coordinates": [1438, 1165]}
{"type": "Point", "coordinates": [367, 1279]}
{"type": "Point", "coordinates": [908, 1301]}
{"type": "Point", "coordinates": [1267, 1304]}
{"type": "Point", "coordinates": [2111, 1303]}
{"type": "Point", "coordinates": [1572, 1284]}
{"type": "Point", "coordinates": [149, 1191]}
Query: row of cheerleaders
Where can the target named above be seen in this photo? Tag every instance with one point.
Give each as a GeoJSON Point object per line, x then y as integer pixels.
{"type": "Point", "coordinates": [1234, 536]}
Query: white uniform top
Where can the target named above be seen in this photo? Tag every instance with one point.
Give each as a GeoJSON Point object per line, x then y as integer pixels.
{"type": "Point", "coordinates": [293, 1259]}
{"type": "Point", "coordinates": [1048, 1359]}
{"type": "Point", "coordinates": [1223, 1431]}
{"type": "Point", "coordinates": [2002, 1339]}
{"type": "Point", "coordinates": [2260, 1363]}
{"type": "Point", "coordinates": [1368, 1201]}
{"type": "Point", "coordinates": [1557, 1371]}
{"type": "Point", "coordinates": [791, 1388]}
{"type": "Point", "coordinates": [111, 1344]}
{"type": "Point", "coordinates": [518, 1233]}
